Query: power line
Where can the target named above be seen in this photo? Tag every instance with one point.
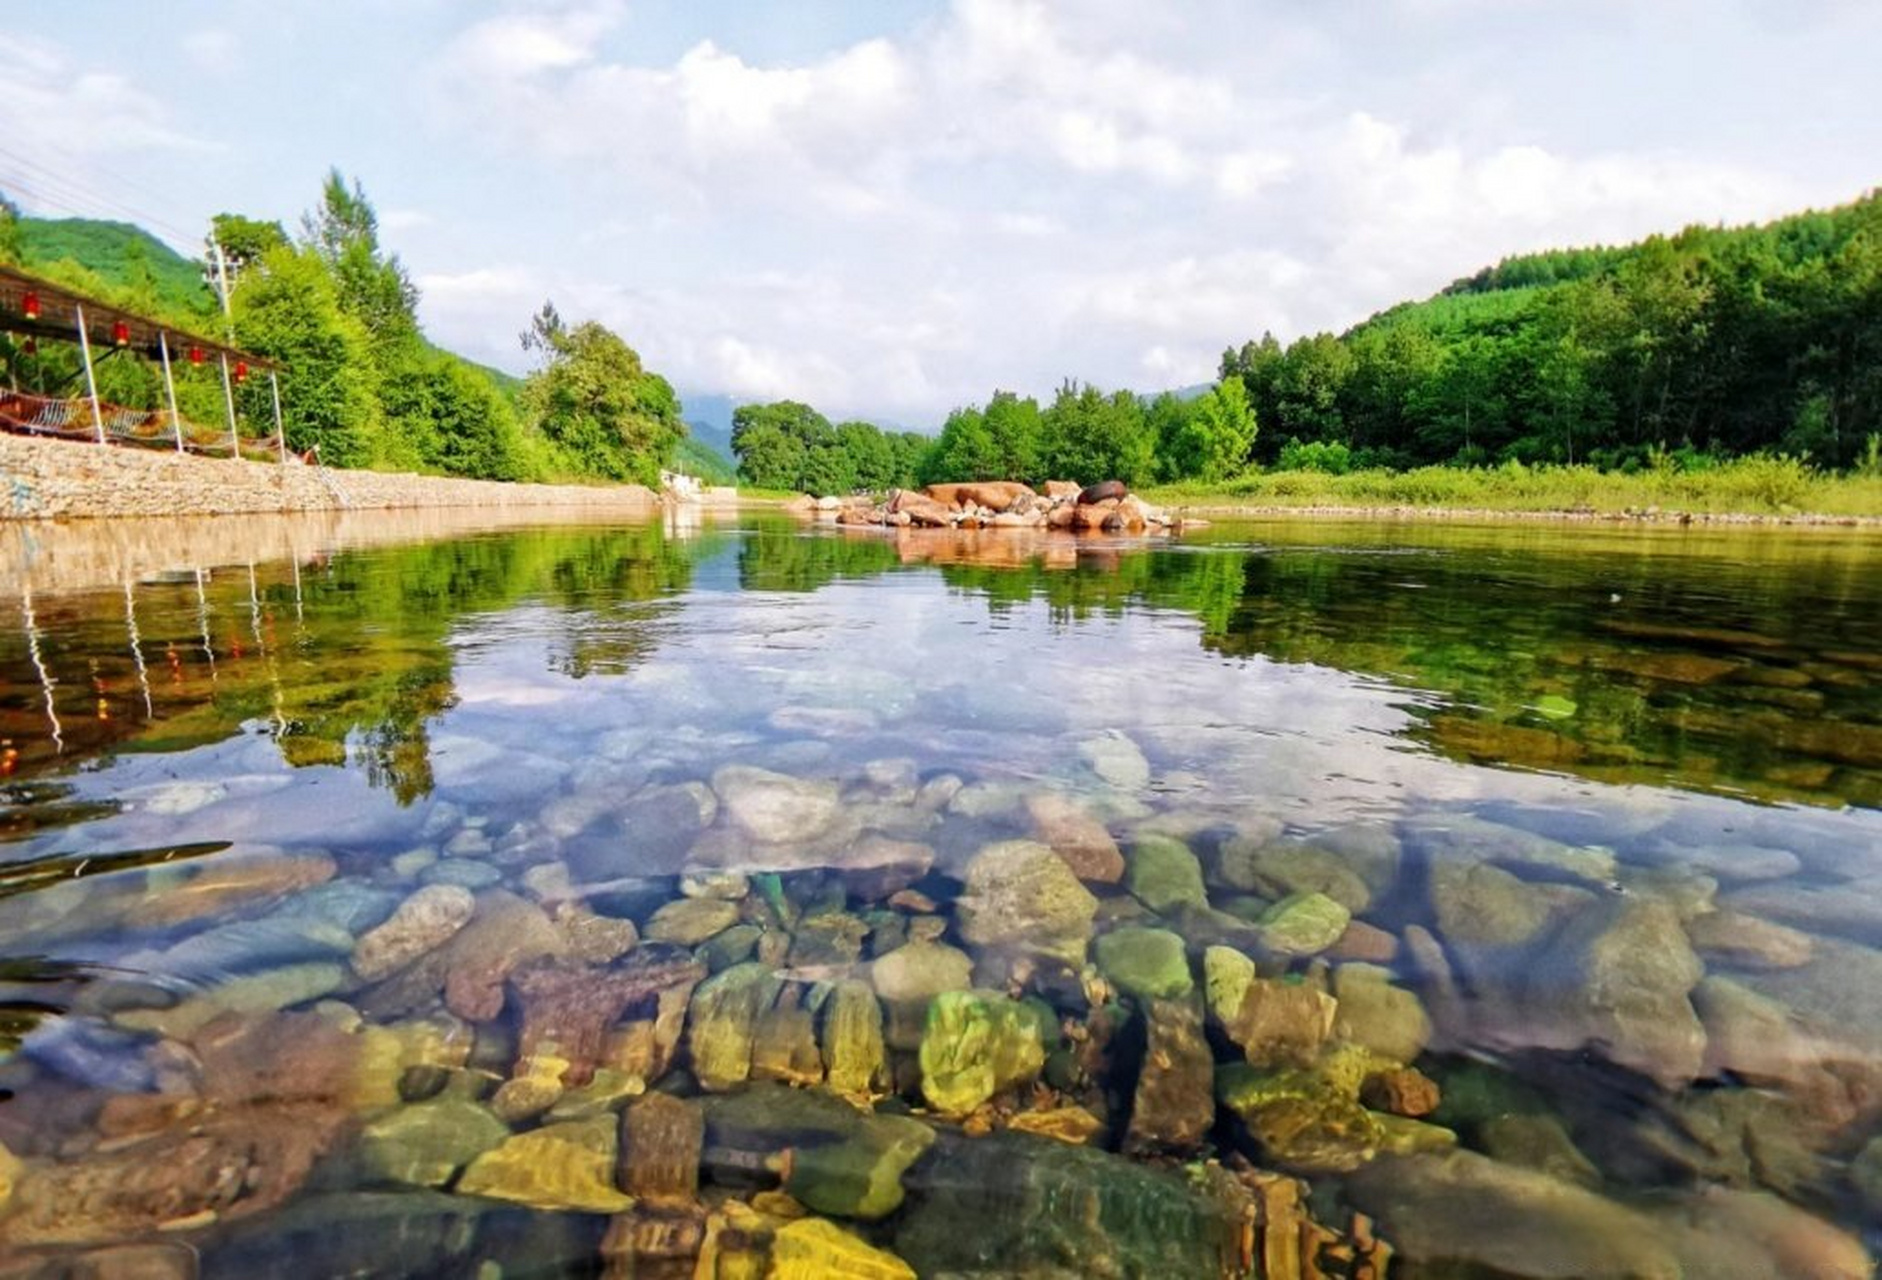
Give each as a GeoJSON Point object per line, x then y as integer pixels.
{"type": "Point", "coordinates": [64, 193]}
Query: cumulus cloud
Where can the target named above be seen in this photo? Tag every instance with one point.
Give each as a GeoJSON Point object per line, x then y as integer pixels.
{"type": "Point", "coordinates": [1012, 191]}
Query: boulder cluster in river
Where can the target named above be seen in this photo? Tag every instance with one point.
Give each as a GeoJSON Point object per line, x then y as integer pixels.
{"type": "Point", "coordinates": [1106, 507]}
{"type": "Point", "coordinates": [884, 1024]}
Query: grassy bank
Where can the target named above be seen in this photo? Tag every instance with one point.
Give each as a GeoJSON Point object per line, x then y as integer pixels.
{"type": "Point", "coordinates": [1756, 486]}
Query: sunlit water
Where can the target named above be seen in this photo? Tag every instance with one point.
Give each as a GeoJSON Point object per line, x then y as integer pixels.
{"type": "Point", "coordinates": [1602, 807]}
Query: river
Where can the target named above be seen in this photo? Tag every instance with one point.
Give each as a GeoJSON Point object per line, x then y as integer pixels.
{"type": "Point", "coordinates": [719, 894]}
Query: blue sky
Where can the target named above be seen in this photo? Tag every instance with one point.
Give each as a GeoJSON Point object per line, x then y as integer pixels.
{"type": "Point", "coordinates": [891, 208]}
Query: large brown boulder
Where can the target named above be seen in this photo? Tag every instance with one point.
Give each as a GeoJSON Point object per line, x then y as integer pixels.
{"type": "Point", "coordinates": [994, 495]}
{"type": "Point", "coordinates": [920, 509]}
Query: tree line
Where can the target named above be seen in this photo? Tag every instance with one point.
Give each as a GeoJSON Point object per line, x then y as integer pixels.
{"type": "Point", "coordinates": [1707, 344]}
{"type": "Point", "coordinates": [1083, 433]}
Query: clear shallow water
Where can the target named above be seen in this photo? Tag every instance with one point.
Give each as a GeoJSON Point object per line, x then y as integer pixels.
{"type": "Point", "coordinates": [1604, 806]}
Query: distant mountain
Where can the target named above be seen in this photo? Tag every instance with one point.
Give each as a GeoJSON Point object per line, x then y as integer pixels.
{"type": "Point", "coordinates": [709, 418]}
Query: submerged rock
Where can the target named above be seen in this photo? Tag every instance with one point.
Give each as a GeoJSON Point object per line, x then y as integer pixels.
{"type": "Point", "coordinates": [662, 1138]}
{"type": "Point", "coordinates": [1117, 761]}
{"type": "Point", "coordinates": [1014, 1204]}
{"type": "Point", "coordinates": [775, 808]}
{"type": "Point", "coordinates": [228, 1164]}
{"type": "Point", "coordinates": [571, 1007]}
{"type": "Point", "coordinates": [723, 1021]}
{"type": "Point", "coordinates": [690, 921]}
{"type": "Point", "coordinates": [1463, 1208]}
{"type": "Point", "coordinates": [840, 1161]}
{"type": "Point", "coordinates": [425, 1144]}
{"type": "Point", "coordinates": [1303, 924]}
{"type": "Point", "coordinates": [813, 1249]}
{"type": "Point", "coordinates": [1279, 868]}
{"type": "Point", "coordinates": [1618, 978]}
{"type": "Point", "coordinates": [1164, 875]}
{"type": "Point", "coordinates": [421, 923]}
{"type": "Point", "coordinates": [853, 1052]}
{"type": "Point", "coordinates": [976, 1044]}
{"type": "Point", "coordinates": [1019, 896]}
{"type": "Point", "coordinates": [1075, 835]}
{"type": "Point", "coordinates": [1308, 1119]}
{"type": "Point", "coordinates": [1278, 1022]}
{"type": "Point", "coordinates": [1388, 1020]}
{"type": "Point", "coordinates": [560, 1166]}
{"type": "Point", "coordinates": [1173, 1106]}
{"type": "Point", "coordinates": [1150, 964]}
{"type": "Point", "coordinates": [909, 977]}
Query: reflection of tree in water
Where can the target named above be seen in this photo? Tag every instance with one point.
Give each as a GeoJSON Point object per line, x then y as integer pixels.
{"type": "Point", "coordinates": [784, 558]}
{"type": "Point", "coordinates": [345, 658]}
{"type": "Point", "coordinates": [616, 594]}
{"type": "Point", "coordinates": [1579, 663]}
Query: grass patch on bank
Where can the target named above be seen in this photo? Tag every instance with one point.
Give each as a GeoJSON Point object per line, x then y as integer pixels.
{"type": "Point", "coordinates": [1743, 486]}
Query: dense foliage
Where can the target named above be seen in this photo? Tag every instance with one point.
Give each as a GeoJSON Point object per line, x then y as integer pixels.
{"type": "Point", "coordinates": [358, 377]}
{"type": "Point", "coordinates": [1709, 343]}
{"type": "Point", "coordinates": [787, 445]}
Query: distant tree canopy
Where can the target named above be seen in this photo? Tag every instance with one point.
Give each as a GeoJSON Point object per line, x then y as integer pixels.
{"type": "Point", "coordinates": [1711, 342]}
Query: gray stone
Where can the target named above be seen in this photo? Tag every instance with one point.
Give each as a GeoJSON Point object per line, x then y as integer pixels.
{"type": "Point", "coordinates": [909, 977]}
{"type": "Point", "coordinates": [1465, 1209]}
{"type": "Point", "coordinates": [1617, 980]}
{"type": "Point", "coordinates": [775, 808]}
{"type": "Point", "coordinates": [1276, 869]}
{"type": "Point", "coordinates": [1117, 761]}
{"type": "Point", "coordinates": [422, 922]}
{"type": "Point", "coordinates": [1020, 897]}
{"type": "Point", "coordinates": [1388, 1020]}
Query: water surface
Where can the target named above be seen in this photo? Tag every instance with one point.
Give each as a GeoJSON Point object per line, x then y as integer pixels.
{"type": "Point", "coordinates": [1601, 805]}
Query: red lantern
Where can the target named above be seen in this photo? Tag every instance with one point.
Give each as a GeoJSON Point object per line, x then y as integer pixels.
{"type": "Point", "coordinates": [120, 333]}
{"type": "Point", "coordinates": [29, 305]}
{"type": "Point", "coordinates": [241, 370]}
{"type": "Point", "coordinates": [196, 355]}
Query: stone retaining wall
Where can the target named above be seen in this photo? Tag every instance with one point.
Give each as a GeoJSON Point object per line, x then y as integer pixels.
{"type": "Point", "coordinates": [54, 479]}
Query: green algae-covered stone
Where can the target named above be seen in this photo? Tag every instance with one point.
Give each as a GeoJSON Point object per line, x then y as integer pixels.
{"type": "Point", "coordinates": [722, 1022]}
{"type": "Point", "coordinates": [1150, 964]}
{"type": "Point", "coordinates": [1163, 874]}
{"type": "Point", "coordinates": [976, 1044]}
{"type": "Point", "coordinates": [1303, 924]}
{"type": "Point", "coordinates": [559, 1166]}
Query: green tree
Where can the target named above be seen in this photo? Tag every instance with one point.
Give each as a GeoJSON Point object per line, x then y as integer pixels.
{"type": "Point", "coordinates": [289, 310]}
{"type": "Point", "coordinates": [788, 445]}
{"type": "Point", "coordinates": [872, 456]}
{"type": "Point", "coordinates": [1090, 436]}
{"type": "Point", "coordinates": [602, 412]}
{"type": "Point", "coordinates": [1218, 433]}
{"type": "Point", "coordinates": [965, 450]}
{"type": "Point", "coordinates": [343, 230]}
{"type": "Point", "coordinates": [1016, 432]}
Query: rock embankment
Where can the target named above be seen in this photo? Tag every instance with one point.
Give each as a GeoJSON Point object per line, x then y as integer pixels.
{"type": "Point", "coordinates": [1108, 507]}
{"type": "Point", "coordinates": [64, 479]}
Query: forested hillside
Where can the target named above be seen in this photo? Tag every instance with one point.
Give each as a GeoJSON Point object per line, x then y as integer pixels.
{"type": "Point", "coordinates": [1715, 342]}
{"type": "Point", "coordinates": [358, 376]}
